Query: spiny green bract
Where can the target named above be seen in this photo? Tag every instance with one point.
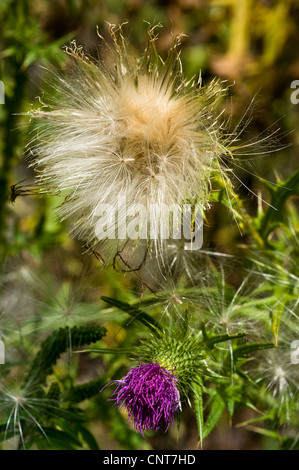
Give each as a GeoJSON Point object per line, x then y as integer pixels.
{"type": "Point", "coordinates": [183, 353]}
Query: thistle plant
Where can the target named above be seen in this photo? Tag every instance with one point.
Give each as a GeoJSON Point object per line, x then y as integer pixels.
{"type": "Point", "coordinates": [192, 328]}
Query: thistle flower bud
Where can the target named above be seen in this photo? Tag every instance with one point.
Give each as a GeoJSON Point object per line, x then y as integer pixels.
{"type": "Point", "coordinates": [136, 139]}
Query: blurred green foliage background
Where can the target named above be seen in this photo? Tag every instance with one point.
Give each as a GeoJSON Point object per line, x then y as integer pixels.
{"type": "Point", "coordinates": [253, 44]}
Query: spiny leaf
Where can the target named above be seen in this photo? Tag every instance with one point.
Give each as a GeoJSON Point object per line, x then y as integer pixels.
{"type": "Point", "coordinates": [264, 432]}
{"type": "Point", "coordinates": [217, 408]}
{"type": "Point", "coordinates": [210, 340]}
{"type": "Point", "coordinates": [138, 314]}
{"type": "Point", "coordinates": [278, 311]}
{"type": "Point", "coordinates": [84, 391]}
{"type": "Point", "coordinates": [244, 349]}
{"type": "Point", "coordinates": [57, 439]}
{"type": "Point", "coordinates": [88, 438]}
{"type": "Point", "coordinates": [198, 405]}
{"type": "Point", "coordinates": [57, 343]}
{"type": "Point", "coordinates": [279, 194]}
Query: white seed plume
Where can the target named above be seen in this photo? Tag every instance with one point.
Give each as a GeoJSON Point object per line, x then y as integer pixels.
{"type": "Point", "coordinates": [140, 131]}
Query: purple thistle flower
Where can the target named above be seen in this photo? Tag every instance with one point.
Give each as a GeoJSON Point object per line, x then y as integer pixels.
{"type": "Point", "coordinates": [150, 395]}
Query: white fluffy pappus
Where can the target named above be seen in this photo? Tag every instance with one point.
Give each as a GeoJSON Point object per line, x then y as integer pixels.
{"type": "Point", "coordinates": [140, 131]}
{"type": "Point", "coordinates": [277, 368]}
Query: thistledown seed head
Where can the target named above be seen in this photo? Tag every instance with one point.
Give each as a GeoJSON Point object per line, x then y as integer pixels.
{"type": "Point", "coordinates": [126, 145]}
{"type": "Point", "coordinates": [150, 395]}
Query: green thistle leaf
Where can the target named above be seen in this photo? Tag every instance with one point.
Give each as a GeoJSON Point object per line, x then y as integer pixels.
{"type": "Point", "coordinates": [56, 344]}
{"type": "Point", "coordinates": [214, 415]}
{"type": "Point", "coordinates": [136, 313]}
